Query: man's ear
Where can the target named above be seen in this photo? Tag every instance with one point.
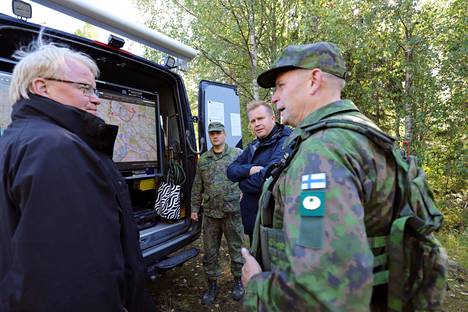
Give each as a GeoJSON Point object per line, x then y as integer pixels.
{"type": "Point", "coordinates": [315, 80]}
{"type": "Point", "coordinates": [39, 87]}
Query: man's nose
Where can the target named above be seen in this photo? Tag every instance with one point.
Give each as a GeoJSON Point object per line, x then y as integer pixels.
{"type": "Point", "coordinates": [274, 98]}
{"type": "Point", "coordinates": [95, 100]}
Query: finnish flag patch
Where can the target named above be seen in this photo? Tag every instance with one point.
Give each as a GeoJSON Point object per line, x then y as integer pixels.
{"type": "Point", "coordinates": [314, 181]}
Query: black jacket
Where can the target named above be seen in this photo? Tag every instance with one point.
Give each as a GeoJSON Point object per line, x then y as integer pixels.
{"type": "Point", "coordinates": [261, 152]}
{"type": "Point", "coordinates": [68, 241]}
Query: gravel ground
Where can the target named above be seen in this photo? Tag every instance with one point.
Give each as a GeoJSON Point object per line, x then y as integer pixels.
{"type": "Point", "coordinates": [181, 289]}
{"type": "Point", "coordinates": [457, 295]}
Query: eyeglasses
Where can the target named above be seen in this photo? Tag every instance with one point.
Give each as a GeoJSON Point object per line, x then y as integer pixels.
{"type": "Point", "coordinates": [87, 89]}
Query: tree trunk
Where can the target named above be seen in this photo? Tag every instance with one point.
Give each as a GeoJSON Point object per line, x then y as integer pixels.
{"type": "Point", "coordinates": [397, 124]}
{"type": "Point", "coordinates": [408, 95]}
{"type": "Point", "coordinates": [253, 52]}
{"type": "Point", "coordinates": [274, 38]}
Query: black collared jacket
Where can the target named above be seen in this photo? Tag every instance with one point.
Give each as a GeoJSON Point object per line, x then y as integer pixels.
{"type": "Point", "coordinates": [68, 241]}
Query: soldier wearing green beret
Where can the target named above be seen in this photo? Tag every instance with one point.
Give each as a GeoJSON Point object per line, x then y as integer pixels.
{"type": "Point", "coordinates": [220, 199]}
{"type": "Point", "coordinates": [336, 190]}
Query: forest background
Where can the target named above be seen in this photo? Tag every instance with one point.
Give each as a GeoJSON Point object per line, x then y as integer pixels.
{"type": "Point", "coordinates": [407, 63]}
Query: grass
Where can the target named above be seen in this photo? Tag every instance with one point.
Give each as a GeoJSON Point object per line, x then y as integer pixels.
{"type": "Point", "coordinates": [456, 245]}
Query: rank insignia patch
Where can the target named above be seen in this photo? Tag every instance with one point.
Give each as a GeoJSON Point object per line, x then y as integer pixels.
{"type": "Point", "coordinates": [312, 204]}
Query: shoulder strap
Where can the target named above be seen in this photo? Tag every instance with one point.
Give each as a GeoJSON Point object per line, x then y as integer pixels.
{"type": "Point", "coordinates": [347, 122]}
{"type": "Point", "coordinates": [267, 211]}
{"type": "Point", "coordinates": [376, 135]}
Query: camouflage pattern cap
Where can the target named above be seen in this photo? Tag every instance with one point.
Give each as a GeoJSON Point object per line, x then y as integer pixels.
{"type": "Point", "coordinates": [215, 126]}
{"type": "Point", "coordinates": [323, 55]}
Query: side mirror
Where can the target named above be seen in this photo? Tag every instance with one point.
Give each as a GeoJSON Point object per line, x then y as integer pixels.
{"type": "Point", "coordinates": [21, 9]}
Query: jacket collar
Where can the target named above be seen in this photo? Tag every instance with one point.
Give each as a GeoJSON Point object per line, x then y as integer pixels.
{"type": "Point", "coordinates": [210, 153]}
{"type": "Point", "coordinates": [93, 130]}
{"type": "Point", "coordinates": [273, 134]}
{"type": "Point", "coordinates": [334, 108]}
{"type": "Point", "coordinates": [278, 130]}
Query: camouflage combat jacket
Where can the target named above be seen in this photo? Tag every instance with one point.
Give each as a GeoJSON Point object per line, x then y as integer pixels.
{"type": "Point", "coordinates": [337, 190]}
{"type": "Point", "coordinates": [211, 188]}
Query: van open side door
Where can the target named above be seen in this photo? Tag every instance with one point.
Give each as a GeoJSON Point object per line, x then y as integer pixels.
{"type": "Point", "coordinates": [219, 102]}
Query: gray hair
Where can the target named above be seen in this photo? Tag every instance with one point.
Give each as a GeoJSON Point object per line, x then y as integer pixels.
{"type": "Point", "coordinates": [42, 59]}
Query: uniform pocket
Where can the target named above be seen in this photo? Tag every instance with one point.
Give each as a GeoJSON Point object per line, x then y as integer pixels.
{"type": "Point", "coordinates": [231, 202]}
{"type": "Point", "coordinates": [274, 255]}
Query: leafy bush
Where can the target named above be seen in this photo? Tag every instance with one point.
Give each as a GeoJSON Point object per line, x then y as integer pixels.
{"type": "Point", "coordinates": [455, 210]}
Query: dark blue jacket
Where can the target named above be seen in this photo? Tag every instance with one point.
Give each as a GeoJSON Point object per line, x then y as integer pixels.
{"type": "Point", "coordinates": [261, 152]}
{"type": "Point", "coordinates": [68, 241]}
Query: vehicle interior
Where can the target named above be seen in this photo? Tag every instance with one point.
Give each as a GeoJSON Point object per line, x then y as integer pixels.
{"type": "Point", "coordinates": [148, 103]}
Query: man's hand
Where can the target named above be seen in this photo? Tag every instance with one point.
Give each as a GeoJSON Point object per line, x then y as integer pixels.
{"type": "Point", "coordinates": [255, 169]}
{"type": "Point", "coordinates": [250, 268]}
{"type": "Point", "coordinates": [194, 216]}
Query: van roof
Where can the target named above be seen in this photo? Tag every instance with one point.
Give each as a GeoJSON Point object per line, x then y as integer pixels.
{"type": "Point", "coordinates": [92, 14]}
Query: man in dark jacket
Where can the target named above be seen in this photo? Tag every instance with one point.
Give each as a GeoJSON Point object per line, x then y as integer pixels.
{"type": "Point", "coordinates": [251, 168]}
{"type": "Point", "coordinates": [67, 238]}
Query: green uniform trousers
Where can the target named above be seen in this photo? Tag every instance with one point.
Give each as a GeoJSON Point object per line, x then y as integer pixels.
{"type": "Point", "coordinates": [213, 229]}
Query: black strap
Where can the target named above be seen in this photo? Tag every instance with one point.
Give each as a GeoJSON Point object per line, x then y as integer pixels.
{"type": "Point", "coordinates": [267, 219]}
{"type": "Point", "coordinates": [375, 135]}
{"type": "Point", "coordinates": [284, 162]}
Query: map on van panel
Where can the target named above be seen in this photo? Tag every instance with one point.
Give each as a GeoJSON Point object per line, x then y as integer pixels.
{"type": "Point", "coordinates": [136, 140]}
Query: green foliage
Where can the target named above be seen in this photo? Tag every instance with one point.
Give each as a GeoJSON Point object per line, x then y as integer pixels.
{"type": "Point", "coordinates": [88, 31]}
{"type": "Point", "coordinates": [407, 61]}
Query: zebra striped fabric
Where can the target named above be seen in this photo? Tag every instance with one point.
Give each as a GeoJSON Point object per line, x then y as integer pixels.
{"type": "Point", "coordinates": [167, 203]}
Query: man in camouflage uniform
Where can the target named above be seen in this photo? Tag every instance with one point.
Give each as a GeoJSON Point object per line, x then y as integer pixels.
{"type": "Point", "coordinates": [220, 200]}
{"type": "Point", "coordinates": [336, 191]}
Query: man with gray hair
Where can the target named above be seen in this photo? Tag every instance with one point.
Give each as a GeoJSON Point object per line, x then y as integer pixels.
{"type": "Point", "coordinates": [67, 238]}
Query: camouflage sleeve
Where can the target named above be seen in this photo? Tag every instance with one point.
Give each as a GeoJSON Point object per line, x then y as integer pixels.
{"type": "Point", "coordinates": [197, 190]}
{"type": "Point", "coordinates": [328, 263]}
